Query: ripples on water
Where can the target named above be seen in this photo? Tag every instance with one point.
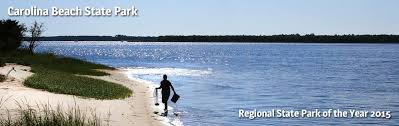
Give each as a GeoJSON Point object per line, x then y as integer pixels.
{"type": "Point", "coordinates": [215, 80]}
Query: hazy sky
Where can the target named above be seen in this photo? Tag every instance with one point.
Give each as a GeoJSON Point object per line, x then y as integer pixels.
{"type": "Point", "coordinates": [220, 17]}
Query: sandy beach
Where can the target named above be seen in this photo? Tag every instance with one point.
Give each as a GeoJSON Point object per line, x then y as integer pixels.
{"type": "Point", "coordinates": [136, 110]}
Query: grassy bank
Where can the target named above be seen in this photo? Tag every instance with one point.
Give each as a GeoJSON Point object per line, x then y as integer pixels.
{"type": "Point", "coordinates": [59, 75]}
{"type": "Point", "coordinates": [62, 82]}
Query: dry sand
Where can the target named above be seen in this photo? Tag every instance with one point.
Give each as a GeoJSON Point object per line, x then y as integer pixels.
{"type": "Point", "coordinates": [136, 110]}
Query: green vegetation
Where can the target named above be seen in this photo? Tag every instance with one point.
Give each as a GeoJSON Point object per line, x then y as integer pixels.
{"type": "Point", "coordinates": [52, 62]}
{"type": "Point", "coordinates": [53, 73]}
{"type": "Point", "coordinates": [11, 34]}
{"type": "Point", "coordinates": [61, 82]}
{"type": "Point", "coordinates": [61, 75]}
{"type": "Point", "coordinates": [45, 115]}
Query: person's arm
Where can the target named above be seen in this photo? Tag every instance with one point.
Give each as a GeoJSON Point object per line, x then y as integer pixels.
{"type": "Point", "coordinates": [172, 88]}
{"type": "Point", "coordinates": [159, 86]}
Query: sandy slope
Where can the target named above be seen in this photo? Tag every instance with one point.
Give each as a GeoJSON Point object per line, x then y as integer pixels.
{"type": "Point", "coordinates": [136, 110]}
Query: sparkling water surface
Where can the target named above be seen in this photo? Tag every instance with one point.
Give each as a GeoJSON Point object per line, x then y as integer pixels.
{"type": "Point", "coordinates": [215, 80]}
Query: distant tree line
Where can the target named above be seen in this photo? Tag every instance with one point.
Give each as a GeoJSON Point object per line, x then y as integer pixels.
{"type": "Point", "coordinates": [98, 38]}
{"type": "Point", "coordinates": [285, 38]}
{"type": "Point", "coordinates": [308, 38]}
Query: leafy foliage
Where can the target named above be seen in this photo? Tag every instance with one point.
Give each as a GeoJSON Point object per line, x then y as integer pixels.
{"type": "Point", "coordinates": [11, 34]}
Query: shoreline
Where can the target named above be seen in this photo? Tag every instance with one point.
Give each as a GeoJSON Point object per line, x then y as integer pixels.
{"type": "Point", "coordinates": [135, 110]}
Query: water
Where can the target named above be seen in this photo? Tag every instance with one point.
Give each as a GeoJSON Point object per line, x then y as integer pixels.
{"type": "Point", "coordinates": [215, 80]}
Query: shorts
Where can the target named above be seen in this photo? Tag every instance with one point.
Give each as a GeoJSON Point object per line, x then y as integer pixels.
{"type": "Point", "coordinates": [165, 97]}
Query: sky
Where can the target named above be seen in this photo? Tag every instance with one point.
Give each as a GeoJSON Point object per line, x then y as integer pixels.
{"type": "Point", "coordinates": [220, 17]}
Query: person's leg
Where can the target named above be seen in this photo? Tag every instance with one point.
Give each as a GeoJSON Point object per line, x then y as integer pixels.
{"type": "Point", "coordinates": [165, 98]}
{"type": "Point", "coordinates": [166, 107]}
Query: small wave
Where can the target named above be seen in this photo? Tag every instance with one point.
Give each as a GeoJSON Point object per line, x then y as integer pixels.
{"type": "Point", "coordinates": [167, 71]}
{"type": "Point", "coordinates": [223, 86]}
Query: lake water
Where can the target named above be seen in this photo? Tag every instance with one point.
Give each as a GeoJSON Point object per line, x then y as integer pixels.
{"type": "Point", "coordinates": [215, 80]}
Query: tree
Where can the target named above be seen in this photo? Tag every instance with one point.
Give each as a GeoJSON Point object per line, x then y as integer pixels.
{"type": "Point", "coordinates": [35, 32]}
{"type": "Point", "coordinates": [11, 34]}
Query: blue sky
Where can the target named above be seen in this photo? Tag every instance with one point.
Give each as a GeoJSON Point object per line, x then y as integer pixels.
{"type": "Point", "coordinates": [221, 17]}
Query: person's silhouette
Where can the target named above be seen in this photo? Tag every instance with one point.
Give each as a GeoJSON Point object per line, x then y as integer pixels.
{"type": "Point", "coordinates": [165, 86]}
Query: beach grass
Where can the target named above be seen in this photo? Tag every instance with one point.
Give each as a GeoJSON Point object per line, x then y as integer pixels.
{"type": "Point", "coordinates": [65, 83]}
{"type": "Point", "coordinates": [46, 115]}
{"type": "Point", "coordinates": [61, 75]}
{"type": "Point", "coordinates": [50, 61]}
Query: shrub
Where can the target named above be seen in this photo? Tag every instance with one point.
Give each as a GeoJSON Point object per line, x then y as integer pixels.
{"type": "Point", "coordinates": [11, 34]}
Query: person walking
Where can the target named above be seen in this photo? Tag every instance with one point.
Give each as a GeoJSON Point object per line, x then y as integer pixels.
{"type": "Point", "coordinates": [165, 87]}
